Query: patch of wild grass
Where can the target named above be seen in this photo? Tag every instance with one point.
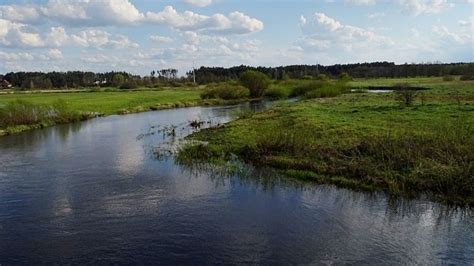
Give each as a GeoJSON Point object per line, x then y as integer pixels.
{"type": "Point", "coordinates": [25, 113]}
{"type": "Point", "coordinates": [321, 89]}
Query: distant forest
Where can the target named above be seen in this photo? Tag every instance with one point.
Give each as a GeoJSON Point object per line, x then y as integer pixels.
{"type": "Point", "coordinates": [205, 75]}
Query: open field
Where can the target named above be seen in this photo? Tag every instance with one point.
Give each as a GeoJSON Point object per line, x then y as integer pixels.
{"type": "Point", "coordinates": [360, 140]}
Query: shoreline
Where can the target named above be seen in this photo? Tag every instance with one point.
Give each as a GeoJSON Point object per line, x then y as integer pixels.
{"type": "Point", "coordinates": [18, 129]}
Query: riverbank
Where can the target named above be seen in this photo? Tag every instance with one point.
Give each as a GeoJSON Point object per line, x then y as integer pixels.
{"type": "Point", "coordinates": [79, 106]}
{"type": "Point", "coordinates": [359, 140]}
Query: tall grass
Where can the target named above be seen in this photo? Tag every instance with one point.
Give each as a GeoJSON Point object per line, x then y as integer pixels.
{"type": "Point", "coordinates": [24, 113]}
{"type": "Point", "coordinates": [320, 89]}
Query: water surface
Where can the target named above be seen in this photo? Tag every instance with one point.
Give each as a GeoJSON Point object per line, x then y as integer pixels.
{"type": "Point", "coordinates": [93, 192]}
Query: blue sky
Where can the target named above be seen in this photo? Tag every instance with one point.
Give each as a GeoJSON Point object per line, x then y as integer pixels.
{"type": "Point", "coordinates": [141, 35]}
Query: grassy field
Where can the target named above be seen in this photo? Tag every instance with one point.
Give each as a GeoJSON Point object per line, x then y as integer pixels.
{"type": "Point", "coordinates": [360, 140]}
{"type": "Point", "coordinates": [110, 102]}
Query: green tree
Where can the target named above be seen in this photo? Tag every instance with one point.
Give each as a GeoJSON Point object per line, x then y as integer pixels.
{"type": "Point", "coordinates": [255, 81]}
{"type": "Point", "coordinates": [118, 80]}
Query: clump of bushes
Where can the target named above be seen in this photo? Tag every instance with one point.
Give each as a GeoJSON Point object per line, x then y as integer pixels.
{"type": "Point", "coordinates": [467, 77]}
{"type": "Point", "coordinates": [276, 93]}
{"type": "Point", "coordinates": [345, 77]}
{"type": "Point", "coordinates": [404, 94]}
{"type": "Point", "coordinates": [448, 78]}
{"type": "Point", "coordinates": [308, 87]}
{"type": "Point", "coordinates": [129, 85]}
{"type": "Point", "coordinates": [225, 91]}
{"type": "Point", "coordinates": [256, 82]}
{"type": "Point", "coordinates": [322, 77]}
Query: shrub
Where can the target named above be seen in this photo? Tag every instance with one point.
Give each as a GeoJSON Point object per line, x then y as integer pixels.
{"type": "Point", "coordinates": [225, 92]}
{"type": "Point", "coordinates": [448, 78]}
{"type": "Point", "coordinates": [322, 77]}
{"type": "Point", "coordinates": [307, 87]}
{"type": "Point", "coordinates": [404, 94]}
{"type": "Point", "coordinates": [345, 77]}
{"type": "Point", "coordinates": [276, 93]}
{"type": "Point", "coordinates": [129, 85]}
{"type": "Point", "coordinates": [118, 80]}
{"type": "Point", "coordinates": [255, 81]}
{"type": "Point", "coordinates": [467, 77]}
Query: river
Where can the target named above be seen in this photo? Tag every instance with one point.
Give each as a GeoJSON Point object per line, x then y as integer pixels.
{"type": "Point", "coordinates": [93, 192]}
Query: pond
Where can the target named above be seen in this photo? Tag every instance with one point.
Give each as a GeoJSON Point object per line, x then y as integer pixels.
{"type": "Point", "coordinates": [93, 192]}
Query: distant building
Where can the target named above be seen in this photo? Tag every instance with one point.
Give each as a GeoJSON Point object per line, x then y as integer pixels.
{"type": "Point", "coordinates": [4, 84]}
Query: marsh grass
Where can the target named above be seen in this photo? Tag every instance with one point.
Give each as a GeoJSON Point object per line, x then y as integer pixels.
{"type": "Point", "coordinates": [25, 113]}
{"type": "Point", "coordinates": [403, 162]}
{"type": "Point", "coordinates": [320, 89]}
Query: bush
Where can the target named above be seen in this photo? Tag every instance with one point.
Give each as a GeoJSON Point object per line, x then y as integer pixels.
{"type": "Point", "coordinates": [118, 80]}
{"type": "Point", "coordinates": [129, 85]}
{"type": "Point", "coordinates": [467, 77]}
{"type": "Point", "coordinates": [307, 87]}
{"type": "Point", "coordinates": [404, 94]}
{"type": "Point", "coordinates": [276, 93]}
{"type": "Point", "coordinates": [256, 82]}
{"type": "Point", "coordinates": [322, 77]}
{"type": "Point", "coordinates": [225, 92]}
{"type": "Point", "coordinates": [448, 78]}
{"type": "Point", "coordinates": [345, 77]}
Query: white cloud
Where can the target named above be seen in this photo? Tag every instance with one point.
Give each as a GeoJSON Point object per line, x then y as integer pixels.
{"type": "Point", "coordinates": [92, 12]}
{"type": "Point", "coordinates": [324, 33]}
{"type": "Point", "coordinates": [468, 23]}
{"type": "Point", "coordinates": [234, 23]}
{"type": "Point", "coordinates": [444, 33]}
{"type": "Point", "coordinates": [362, 2]}
{"type": "Point", "coordinates": [19, 13]}
{"type": "Point", "coordinates": [303, 20]}
{"type": "Point", "coordinates": [376, 15]}
{"type": "Point", "coordinates": [52, 54]}
{"type": "Point", "coordinates": [17, 34]}
{"type": "Point", "coordinates": [198, 3]}
{"type": "Point", "coordinates": [160, 39]}
{"type": "Point", "coordinates": [423, 7]}
{"type": "Point", "coordinates": [327, 22]}
{"type": "Point", "coordinates": [16, 56]}
{"type": "Point", "coordinates": [101, 39]}
{"type": "Point", "coordinates": [57, 37]}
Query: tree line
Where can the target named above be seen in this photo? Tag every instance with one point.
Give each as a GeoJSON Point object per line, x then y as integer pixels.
{"type": "Point", "coordinates": [81, 79]}
{"type": "Point", "coordinates": [361, 70]}
{"type": "Point", "coordinates": [205, 75]}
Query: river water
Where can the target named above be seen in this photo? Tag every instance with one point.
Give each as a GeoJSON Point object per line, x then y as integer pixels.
{"type": "Point", "coordinates": [93, 192]}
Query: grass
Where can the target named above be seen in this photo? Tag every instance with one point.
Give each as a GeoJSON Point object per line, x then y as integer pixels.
{"type": "Point", "coordinates": [360, 140]}
{"type": "Point", "coordinates": [21, 112]}
{"type": "Point", "coordinates": [108, 102]}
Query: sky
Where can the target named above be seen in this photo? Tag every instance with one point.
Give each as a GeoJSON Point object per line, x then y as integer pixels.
{"type": "Point", "coordinates": [138, 36]}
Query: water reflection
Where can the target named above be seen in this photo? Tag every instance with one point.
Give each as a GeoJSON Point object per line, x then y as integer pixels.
{"type": "Point", "coordinates": [92, 193]}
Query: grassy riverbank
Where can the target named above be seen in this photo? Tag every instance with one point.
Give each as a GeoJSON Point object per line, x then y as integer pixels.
{"type": "Point", "coordinates": [21, 112]}
{"type": "Point", "coordinates": [359, 140]}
